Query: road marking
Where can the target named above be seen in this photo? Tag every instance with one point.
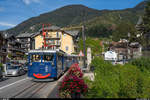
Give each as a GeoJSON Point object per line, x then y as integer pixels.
{"type": "Point", "coordinates": [13, 83]}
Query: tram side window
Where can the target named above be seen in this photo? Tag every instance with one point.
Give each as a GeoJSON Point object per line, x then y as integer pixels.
{"type": "Point", "coordinates": [47, 58]}
{"type": "Point", "coordinates": [59, 57]}
{"type": "Point", "coordinates": [35, 58]}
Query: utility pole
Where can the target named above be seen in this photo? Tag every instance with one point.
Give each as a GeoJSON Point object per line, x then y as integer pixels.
{"type": "Point", "coordinates": [83, 37]}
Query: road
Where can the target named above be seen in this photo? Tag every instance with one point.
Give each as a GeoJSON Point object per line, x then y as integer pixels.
{"type": "Point", "coordinates": [24, 87]}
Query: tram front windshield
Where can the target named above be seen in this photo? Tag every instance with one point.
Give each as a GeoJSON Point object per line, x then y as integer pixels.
{"type": "Point", "coordinates": [48, 57]}
{"type": "Point", "coordinates": [38, 58]}
{"type": "Point", "coordinates": [35, 58]}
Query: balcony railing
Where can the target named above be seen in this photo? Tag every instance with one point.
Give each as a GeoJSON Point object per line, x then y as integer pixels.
{"type": "Point", "coordinates": [16, 49]}
{"type": "Point", "coordinates": [24, 41]}
{"type": "Point", "coordinates": [48, 37]}
{"type": "Point", "coordinates": [54, 44]}
{"type": "Point", "coordinates": [2, 51]}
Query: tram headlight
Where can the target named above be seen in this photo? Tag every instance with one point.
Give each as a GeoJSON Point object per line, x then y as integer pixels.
{"type": "Point", "coordinates": [52, 63]}
{"type": "Point", "coordinates": [30, 64]}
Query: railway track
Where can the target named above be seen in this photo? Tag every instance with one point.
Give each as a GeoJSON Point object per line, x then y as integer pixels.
{"type": "Point", "coordinates": [30, 91]}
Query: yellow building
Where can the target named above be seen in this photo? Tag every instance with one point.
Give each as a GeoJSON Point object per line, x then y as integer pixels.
{"type": "Point", "coordinates": [60, 39]}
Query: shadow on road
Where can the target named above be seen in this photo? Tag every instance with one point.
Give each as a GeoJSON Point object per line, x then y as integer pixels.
{"type": "Point", "coordinates": [3, 79]}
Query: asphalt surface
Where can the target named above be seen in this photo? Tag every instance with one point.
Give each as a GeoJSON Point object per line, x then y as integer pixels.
{"type": "Point", "coordinates": [24, 87]}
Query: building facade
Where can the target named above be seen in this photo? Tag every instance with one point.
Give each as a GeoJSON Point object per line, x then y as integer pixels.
{"type": "Point", "coordinates": [56, 39]}
{"type": "Point", "coordinates": [126, 50]}
{"type": "Point", "coordinates": [26, 41]}
{"type": "Point", "coordinates": [13, 48]}
{"type": "Point", "coordinates": [3, 52]}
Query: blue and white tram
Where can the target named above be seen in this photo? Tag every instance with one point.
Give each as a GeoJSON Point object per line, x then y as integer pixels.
{"type": "Point", "coordinates": [46, 64]}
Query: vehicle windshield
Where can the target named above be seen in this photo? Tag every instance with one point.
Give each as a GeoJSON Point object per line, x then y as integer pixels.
{"type": "Point", "coordinates": [12, 67]}
{"type": "Point", "coordinates": [48, 57]}
{"type": "Point", "coordinates": [35, 58]}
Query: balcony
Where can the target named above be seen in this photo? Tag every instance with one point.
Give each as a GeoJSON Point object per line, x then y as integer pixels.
{"type": "Point", "coordinates": [11, 42]}
{"type": "Point", "coordinates": [24, 41]}
{"type": "Point", "coordinates": [54, 44]}
{"type": "Point", "coordinates": [16, 49]}
{"type": "Point", "coordinates": [52, 38]}
{"type": "Point", "coordinates": [2, 51]}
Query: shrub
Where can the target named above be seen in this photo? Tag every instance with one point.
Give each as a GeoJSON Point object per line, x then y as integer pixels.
{"type": "Point", "coordinates": [118, 81]}
{"type": "Point", "coordinates": [72, 83]}
{"type": "Point", "coordinates": [141, 63]}
{"type": "Point", "coordinates": [75, 70]}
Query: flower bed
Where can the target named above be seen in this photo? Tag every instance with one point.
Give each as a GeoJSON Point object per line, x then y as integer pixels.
{"type": "Point", "coordinates": [72, 83]}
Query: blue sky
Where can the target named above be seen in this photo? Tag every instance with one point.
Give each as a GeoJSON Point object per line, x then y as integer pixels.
{"type": "Point", "coordinates": [13, 12]}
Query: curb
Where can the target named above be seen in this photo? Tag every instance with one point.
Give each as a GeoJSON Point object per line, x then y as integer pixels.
{"type": "Point", "coordinates": [53, 93]}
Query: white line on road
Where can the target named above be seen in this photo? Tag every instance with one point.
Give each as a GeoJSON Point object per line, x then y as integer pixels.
{"type": "Point", "coordinates": [13, 83]}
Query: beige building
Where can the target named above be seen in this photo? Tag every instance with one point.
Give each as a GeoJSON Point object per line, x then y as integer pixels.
{"type": "Point", "coordinates": [57, 39]}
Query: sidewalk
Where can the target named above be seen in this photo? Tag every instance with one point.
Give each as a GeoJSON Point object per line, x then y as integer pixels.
{"type": "Point", "coordinates": [54, 93]}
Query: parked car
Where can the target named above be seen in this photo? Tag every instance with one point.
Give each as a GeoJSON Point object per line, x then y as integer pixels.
{"type": "Point", "coordinates": [14, 70]}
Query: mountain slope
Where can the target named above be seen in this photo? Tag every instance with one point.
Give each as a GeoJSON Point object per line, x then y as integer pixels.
{"type": "Point", "coordinates": [73, 15]}
{"type": "Point", "coordinates": [64, 16]}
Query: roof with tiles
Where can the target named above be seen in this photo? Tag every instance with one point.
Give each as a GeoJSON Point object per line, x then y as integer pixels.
{"type": "Point", "coordinates": [73, 32]}
{"type": "Point", "coordinates": [25, 35]}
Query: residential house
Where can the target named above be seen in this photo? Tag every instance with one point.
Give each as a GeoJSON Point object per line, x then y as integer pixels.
{"type": "Point", "coordinates": [3, 53]}
{"type": "Point", "coordinates": [56, 38]}
{"type": "Point", "coordinates": [126, 50]}
{"type": "Point", "coordinates": [26, 41]}
{"type": "Point", "coordinates": [13, 47]}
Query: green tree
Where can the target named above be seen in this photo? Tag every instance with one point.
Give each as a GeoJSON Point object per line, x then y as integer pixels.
{"type": "Point", "coordinates": [122, 31]}
{"type": "Point", "coordinates": [10, 55]}
{"type": "Point", "coordinates": [119, 81]}
{"type": "Point", "coordinates": [94, 44]}
{"type": "Point", "coordinates": [145, 26]}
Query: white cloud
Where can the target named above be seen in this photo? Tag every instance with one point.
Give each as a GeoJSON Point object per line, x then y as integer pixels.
{"type": "Point", "coordinates": [7, 24]}
{"type": "Point", "coordinates": [27, 2]}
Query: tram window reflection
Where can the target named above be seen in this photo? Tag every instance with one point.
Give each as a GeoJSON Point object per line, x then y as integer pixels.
{"type": "Point", "coordinates": [47, 58]}
{"type": "Point", "coordinates": [36, 58]}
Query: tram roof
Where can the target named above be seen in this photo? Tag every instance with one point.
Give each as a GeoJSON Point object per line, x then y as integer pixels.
{"type": "Point", "coordinates": [46, 51]}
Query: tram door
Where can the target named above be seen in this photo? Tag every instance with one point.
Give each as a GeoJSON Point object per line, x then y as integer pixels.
{"type": "Point", "coordinates": [59, 64]}
{"type": "Point", "coordinates": [46, 65]}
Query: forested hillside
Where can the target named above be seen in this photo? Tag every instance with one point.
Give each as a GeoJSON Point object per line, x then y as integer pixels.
{"type": "Point", "coordinates": [99, 22]}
